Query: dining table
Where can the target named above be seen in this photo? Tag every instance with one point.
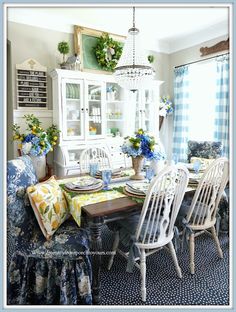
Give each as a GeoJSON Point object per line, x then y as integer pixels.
{"type": "Point", "coordinates": [106, 210]}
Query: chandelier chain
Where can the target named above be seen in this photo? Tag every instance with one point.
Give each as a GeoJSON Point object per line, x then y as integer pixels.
{"type": "Point", "coordinates": [133, 36]}
{"type": "Point", "coordinates": [133, 17]}
{"type": "Point", "coordinates": [133, 71]}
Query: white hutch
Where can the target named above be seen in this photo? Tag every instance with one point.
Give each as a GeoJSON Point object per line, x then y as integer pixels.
{"type": "Point", "coordinates": [93, 110]}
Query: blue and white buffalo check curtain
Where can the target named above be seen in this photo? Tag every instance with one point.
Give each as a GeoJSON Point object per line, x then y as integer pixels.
{"type": "Point", "coordinates": [222, 103]}
{"type": "Point", "coordinates": [181, 112]}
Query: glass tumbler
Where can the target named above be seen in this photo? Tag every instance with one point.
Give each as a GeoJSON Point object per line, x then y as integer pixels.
{"type": "Point", "coordinates": [149, 174]}
{"type": "Point", "coordinates": [106, 177]}
{"type": "Point", "coordinates": [93, 168]}
{"type": "Point", "coordinates": [196, 166]}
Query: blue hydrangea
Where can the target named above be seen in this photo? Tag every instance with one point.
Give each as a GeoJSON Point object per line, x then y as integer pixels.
{"type": "Point", "coordinates": [47, 148]}
{"type": "Point", "coordinates": [35, 150]}
{"type": "Point", "coordinates": [166, 106]}
{"type": "Point", "coordinates": [148, 148]}
{"type": "Point", "coordinates": [131, 151]}
{"type": "Point", "coordinates": [35, 140]}
{"type": "Point", "coordinates": [28, 138]}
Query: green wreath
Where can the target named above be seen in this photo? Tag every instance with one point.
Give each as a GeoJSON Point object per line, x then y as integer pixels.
{"type": "Point", "coordinates": [108, 52]}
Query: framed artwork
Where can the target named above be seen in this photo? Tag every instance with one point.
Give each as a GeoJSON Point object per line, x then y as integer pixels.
{"type": "Point", "coordinates": [85, 41]}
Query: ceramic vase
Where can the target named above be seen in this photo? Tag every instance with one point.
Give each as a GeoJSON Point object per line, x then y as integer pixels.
{"type": "Point", "coordinates": [137, 163]}
{"type": "Point", "coordinates": [39, 163]}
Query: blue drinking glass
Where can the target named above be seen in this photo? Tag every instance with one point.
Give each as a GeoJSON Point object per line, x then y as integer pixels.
{"type": "Point", "coordinates": [149, 174]}
{"type": "Point", "coordinates": [196, 166]}
{"type": "Point", "coordinates": [93, 168]}
{"type": "Point", "coordinates": [106, 177]}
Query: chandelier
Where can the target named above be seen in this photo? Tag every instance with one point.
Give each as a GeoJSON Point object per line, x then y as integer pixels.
{"type": "Point", "coordinates": [133, 71]}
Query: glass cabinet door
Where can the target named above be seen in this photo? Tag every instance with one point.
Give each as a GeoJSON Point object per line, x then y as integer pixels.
{"type": "Point", "coordinates": [143, 102]}
{"type": "Point", "coordinates": [148, 102]}
{"type": "Point", "coordinates": [95, 110]}
{"type": "Point", "coordinates": [138, 110]}
{"type": "Point", "coordinates": [114, 110]}
{"type": "Point", "coordinates": [72, 110]}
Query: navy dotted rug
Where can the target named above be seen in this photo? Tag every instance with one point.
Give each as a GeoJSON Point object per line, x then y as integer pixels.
{"type": "Point", "coordinates": [209, 285]}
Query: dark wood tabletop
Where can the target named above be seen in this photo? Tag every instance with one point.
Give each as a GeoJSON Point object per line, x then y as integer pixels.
{"type": "Point", "coordinates": [109, 207]}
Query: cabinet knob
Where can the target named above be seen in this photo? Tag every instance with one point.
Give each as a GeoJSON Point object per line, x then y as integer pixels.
{"type": "Point", "coordinates": [82, 110]}
{"type": "Point", "coordinates": [86, 110]}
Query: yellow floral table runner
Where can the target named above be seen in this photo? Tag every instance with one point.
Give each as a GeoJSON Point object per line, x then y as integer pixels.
{"type": "Point", "coordinates": [77, 201]}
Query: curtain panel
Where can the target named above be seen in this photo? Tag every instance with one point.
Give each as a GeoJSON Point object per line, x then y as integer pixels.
{"type": "Point", "coordinates": [181, 113]}
{"type": "Point", "coordinates": [221, 132]}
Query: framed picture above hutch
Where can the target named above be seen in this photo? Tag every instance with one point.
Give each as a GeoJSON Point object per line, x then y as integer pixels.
{"type": "Point", "coordinates": [31, 85]}
{"type": "Point", "coordinates": [85, 43]}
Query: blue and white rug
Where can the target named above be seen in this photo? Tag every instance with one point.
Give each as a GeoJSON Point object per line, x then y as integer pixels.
{"type": "Point", "coordinates": [209, 285]}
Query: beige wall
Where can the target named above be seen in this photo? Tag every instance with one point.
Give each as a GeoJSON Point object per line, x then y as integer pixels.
{"type": "Point", "coordinates": [161, 66]}
{"type": "Point", "coordinates": [37, 43]}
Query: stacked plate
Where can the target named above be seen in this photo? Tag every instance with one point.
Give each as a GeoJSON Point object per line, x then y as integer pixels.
{"type": "Point", "coordinates": [85, 185]}
{"type": "Point", "coordinates": [137, 189]}
{"type": "Point", "coordinates": [194, 179]}
{"type": "Point", "coordinates": [116, 173]}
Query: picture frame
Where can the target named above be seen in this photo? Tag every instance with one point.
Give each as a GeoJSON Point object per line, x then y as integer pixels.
{"type": "Point", "coordinates": [84, 42]}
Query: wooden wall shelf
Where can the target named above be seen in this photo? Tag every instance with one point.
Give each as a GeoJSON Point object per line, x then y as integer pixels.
{"type": "Point", "coordinates": [218, 47]}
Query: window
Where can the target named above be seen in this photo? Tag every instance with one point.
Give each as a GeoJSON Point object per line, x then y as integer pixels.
{"type": "Point", "coordinates": [202, 92]}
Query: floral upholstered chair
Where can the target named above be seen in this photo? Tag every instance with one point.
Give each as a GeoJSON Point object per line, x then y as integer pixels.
{"type": "Point", "coordinates": [40, 271]}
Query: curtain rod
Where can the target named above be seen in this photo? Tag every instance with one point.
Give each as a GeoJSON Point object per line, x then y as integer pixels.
{"type": "Point", "coordinates": [201, 60]}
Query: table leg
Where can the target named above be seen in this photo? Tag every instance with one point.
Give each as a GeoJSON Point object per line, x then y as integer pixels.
{"type": "Point", "coordinates": [95, 226]}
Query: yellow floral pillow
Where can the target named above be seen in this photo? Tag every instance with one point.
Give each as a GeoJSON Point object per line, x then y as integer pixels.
{"type": "Point", "coordinates": [49, 205]}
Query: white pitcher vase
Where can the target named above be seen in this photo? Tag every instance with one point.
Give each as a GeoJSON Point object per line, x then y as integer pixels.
{"type": "Point", "coordinates": [157, 165]}
{"type": "Point", "coordinates": [39, 163]}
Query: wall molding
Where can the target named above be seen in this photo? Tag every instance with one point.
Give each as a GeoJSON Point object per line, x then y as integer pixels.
{"type": "Point", "coordinates": [47, 113]}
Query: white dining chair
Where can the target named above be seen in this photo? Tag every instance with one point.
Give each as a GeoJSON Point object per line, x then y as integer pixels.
{"type": "Point", "coordinates": [94, 155]}
{"type": "Point", "coordinates": [155, 225]}
{"type": "Point", "coordinates": [201, 215]}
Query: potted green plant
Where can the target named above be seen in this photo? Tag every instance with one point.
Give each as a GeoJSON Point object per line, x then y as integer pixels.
{"type": "Point", "coordinates": [151, 58]}
{"type": "Point", "coordinates": [63, 48]}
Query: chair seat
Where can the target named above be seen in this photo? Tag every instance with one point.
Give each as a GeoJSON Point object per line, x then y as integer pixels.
{"type": "Point", "coordinates": [69, 241]}
{"type": "Point", "coordinates": [127, 228]}
{"type": "Point", "coordinates": [184, 209]}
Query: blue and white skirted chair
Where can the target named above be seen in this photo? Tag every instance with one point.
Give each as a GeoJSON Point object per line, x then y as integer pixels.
{"type": "Point", "coordinates": [39, 271]}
